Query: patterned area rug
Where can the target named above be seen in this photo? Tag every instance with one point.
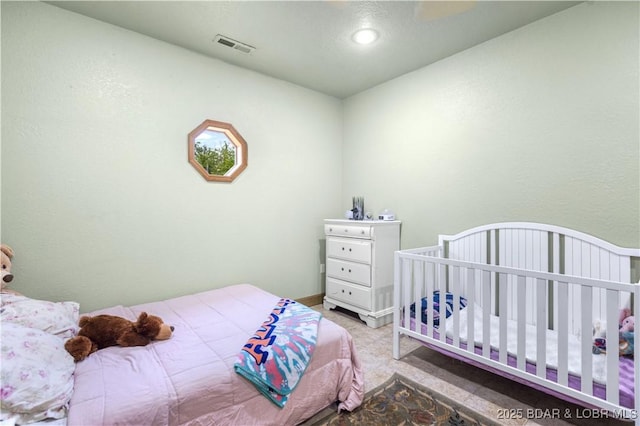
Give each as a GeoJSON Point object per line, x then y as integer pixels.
{"type": "Point", "coordinates": [400, 401]}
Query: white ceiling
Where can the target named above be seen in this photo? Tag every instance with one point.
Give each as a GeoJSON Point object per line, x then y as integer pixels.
{"type": "Point", "coordinates": [309, 42]}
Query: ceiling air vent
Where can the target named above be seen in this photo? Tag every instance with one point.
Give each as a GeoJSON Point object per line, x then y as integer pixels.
{"type": "Point", "coordinates": [229, 42]}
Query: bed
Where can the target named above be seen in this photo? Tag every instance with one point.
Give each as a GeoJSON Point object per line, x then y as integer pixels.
{"type": "Point", "coordinates": [522, 300]}
{"type": "Point", "coordinates": [190, 378]}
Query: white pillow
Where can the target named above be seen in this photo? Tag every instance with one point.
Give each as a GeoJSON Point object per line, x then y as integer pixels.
{"type": "Point", "coordinates": [59, 318]}
{"type": "Point", "coordinates": [36, 375]}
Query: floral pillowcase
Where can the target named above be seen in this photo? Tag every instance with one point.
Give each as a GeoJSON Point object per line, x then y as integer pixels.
{"type": "Point", "coordinates": [59, 318]}
{"type": "Point", "coordinates": [36, 374]}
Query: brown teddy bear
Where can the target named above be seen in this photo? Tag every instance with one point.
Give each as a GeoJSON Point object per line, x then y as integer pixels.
{"type": "Point", "coordinates": [6, 255]}
{"type": "Point", "coordinates": [103, 331]}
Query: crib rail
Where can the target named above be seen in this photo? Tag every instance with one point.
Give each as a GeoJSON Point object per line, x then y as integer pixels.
{"type": "Point", "coordinates": [548, 248]}
{"type": "Point", "coordinates": [508, 291]}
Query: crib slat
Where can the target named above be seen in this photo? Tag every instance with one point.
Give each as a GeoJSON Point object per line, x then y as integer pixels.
{"type": "Point", "coordinates": [526, 262]}
{"type": "Point", "coordinates": [543, 265]}
{"type": "Point", "coordinates": [625, 269]}
{"type": "Point", "coordinates": [397, 311]}
{"type": "Point", "coordinates": [544, 250]}
{"type": "Point", "coordinates": [455, 290]}
{"type": "Point", "coordinates": [486, 301]}
{"type": "Point", "coordinates": [556, 253]}
{"type": "Point", "coordinates": [432, 277]}
{"type": "Point", "coordinates": [418, 281]}
{"type": "Point", "coordinates": [470, 310]}
{"type": "Point", "coordinates": [563, 333]}
{"type": "Point", "coordinates": [533, 250]}
{"type": "Point", "coordinates": [464, 248]}
{"type": "Point", "coordinates": [522, 312]}
{"type": "Point", "coordinates": [541, 324]}
{"type": "Point", "coordinates": [536, 264]}
{"type": "Point", "coordinates": [521, 250]}
{"type": "Point", "coordinates": [614, 268]}
{"type": "Point", "coordinates": [585, 258]}
{"type": "Point", "coordinates": [594, 261]}
{"type": "Point", "coordinates": [605, 270]}
{"type": "Point", "coordinates": [487, 253]}
{"type": "Point", "coordinates": [505, 247]}
{"type": "Point", "coordinates": [407, 265]}
{"type": "Point", "coordinates": [572, 267]}
{"type": "Point", "coordinates": [503, 320]}
{"type": "Point", "coordinates": [504, 258]}
{"type": "Point", "coordinates": [506, 255]}
{"type": "Point", "coordinates": [586, 354]}
{"type": "Point", "coordinates": [496, 248]}
{"type": "Point", "coordinates": [442, 327]}
{"type": "Point", "coordinates": [613, 381]}
{"type": "Point", "coordinates": [595, 271]}
{"type": "Point", "coordinates": [555, 268]}
{"type": "Point", "coordinates": [510, 258]}
{"type": "Point", "coordinates": [599, 296]}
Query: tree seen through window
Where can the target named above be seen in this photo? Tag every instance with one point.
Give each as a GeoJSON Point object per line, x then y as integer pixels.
{"type": "Point", "coordinates": [216, 160]}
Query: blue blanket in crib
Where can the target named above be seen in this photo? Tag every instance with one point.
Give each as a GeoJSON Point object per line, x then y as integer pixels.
{"type": "Point", "coordinates": [437, 308]}
{"type": "Point", "coordinates": [276, 356]}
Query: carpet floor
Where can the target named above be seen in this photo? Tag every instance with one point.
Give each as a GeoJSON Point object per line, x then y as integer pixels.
{"type": "Point", "coordinates": [401, 401]}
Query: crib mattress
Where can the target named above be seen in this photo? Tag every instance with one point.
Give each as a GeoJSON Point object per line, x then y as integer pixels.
{"type": "Point", "coordinates": [574, 381]}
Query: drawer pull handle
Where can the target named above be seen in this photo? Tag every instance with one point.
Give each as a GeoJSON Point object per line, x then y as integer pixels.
{"type": "Point", "coordinates": [362, 232]}
{"type": "Point", "coordinates": [349, 270]}
{"type": "Point", "coordinates": [343, 290]}
{"type": "Point", "coordinates": [349, 249]}
{"type": "Point", "coordinates": [349, 293]}
{"type": "Point", "coordinates": [342, 248]}
{"type": "Point", "coordinates": [342, 269]}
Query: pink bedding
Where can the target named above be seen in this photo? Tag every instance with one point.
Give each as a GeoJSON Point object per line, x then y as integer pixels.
{"type": "Point", "coordinates": [190, 380]}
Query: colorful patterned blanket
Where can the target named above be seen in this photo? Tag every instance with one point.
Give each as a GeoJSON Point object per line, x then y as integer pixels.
{"type": "Point", "coordinates": [276, 356]}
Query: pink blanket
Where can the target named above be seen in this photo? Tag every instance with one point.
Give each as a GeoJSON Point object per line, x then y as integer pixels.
{"type": "Point", "coordinates": [190, 380]}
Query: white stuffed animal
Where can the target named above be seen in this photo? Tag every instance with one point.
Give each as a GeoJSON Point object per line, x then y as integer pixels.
{"type": "Point", "coordinates": [599, 336]}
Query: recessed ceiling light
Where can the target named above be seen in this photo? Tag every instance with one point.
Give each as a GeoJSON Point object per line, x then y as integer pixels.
{"type": "Point", "coordinates": [365, 36]}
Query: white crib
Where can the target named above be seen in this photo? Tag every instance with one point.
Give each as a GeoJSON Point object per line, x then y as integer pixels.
{"type": "Point", "coordinates": [532, 294]}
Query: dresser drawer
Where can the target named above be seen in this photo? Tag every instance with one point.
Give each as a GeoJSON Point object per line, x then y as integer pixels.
{"type": "Point", "coordinates": [352, 294]}
{"type": "Point", "coordinates": [349, 271]}
{"type": "Point", "coordinates": [349, 249]}
{"type": "Point", "coordinates": [350, 231]}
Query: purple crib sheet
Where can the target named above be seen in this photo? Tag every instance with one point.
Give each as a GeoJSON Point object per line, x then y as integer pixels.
{"type": "Point", "coordinates": [599, 390]}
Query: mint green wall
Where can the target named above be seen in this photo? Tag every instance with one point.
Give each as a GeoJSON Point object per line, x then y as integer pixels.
{"type": "Point", "coordinates": [101, 206]}
{"type": "Point", "coordinates": [98, 199]}
{"type": "Point", "coordinates": [541, 124]}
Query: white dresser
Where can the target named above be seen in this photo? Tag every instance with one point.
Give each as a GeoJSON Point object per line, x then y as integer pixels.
{"type": "Point", "coordinates": [360, 267]}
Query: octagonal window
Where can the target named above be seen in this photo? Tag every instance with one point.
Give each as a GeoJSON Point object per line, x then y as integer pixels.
{"type": "Point", "coordinates": [217, 151]}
